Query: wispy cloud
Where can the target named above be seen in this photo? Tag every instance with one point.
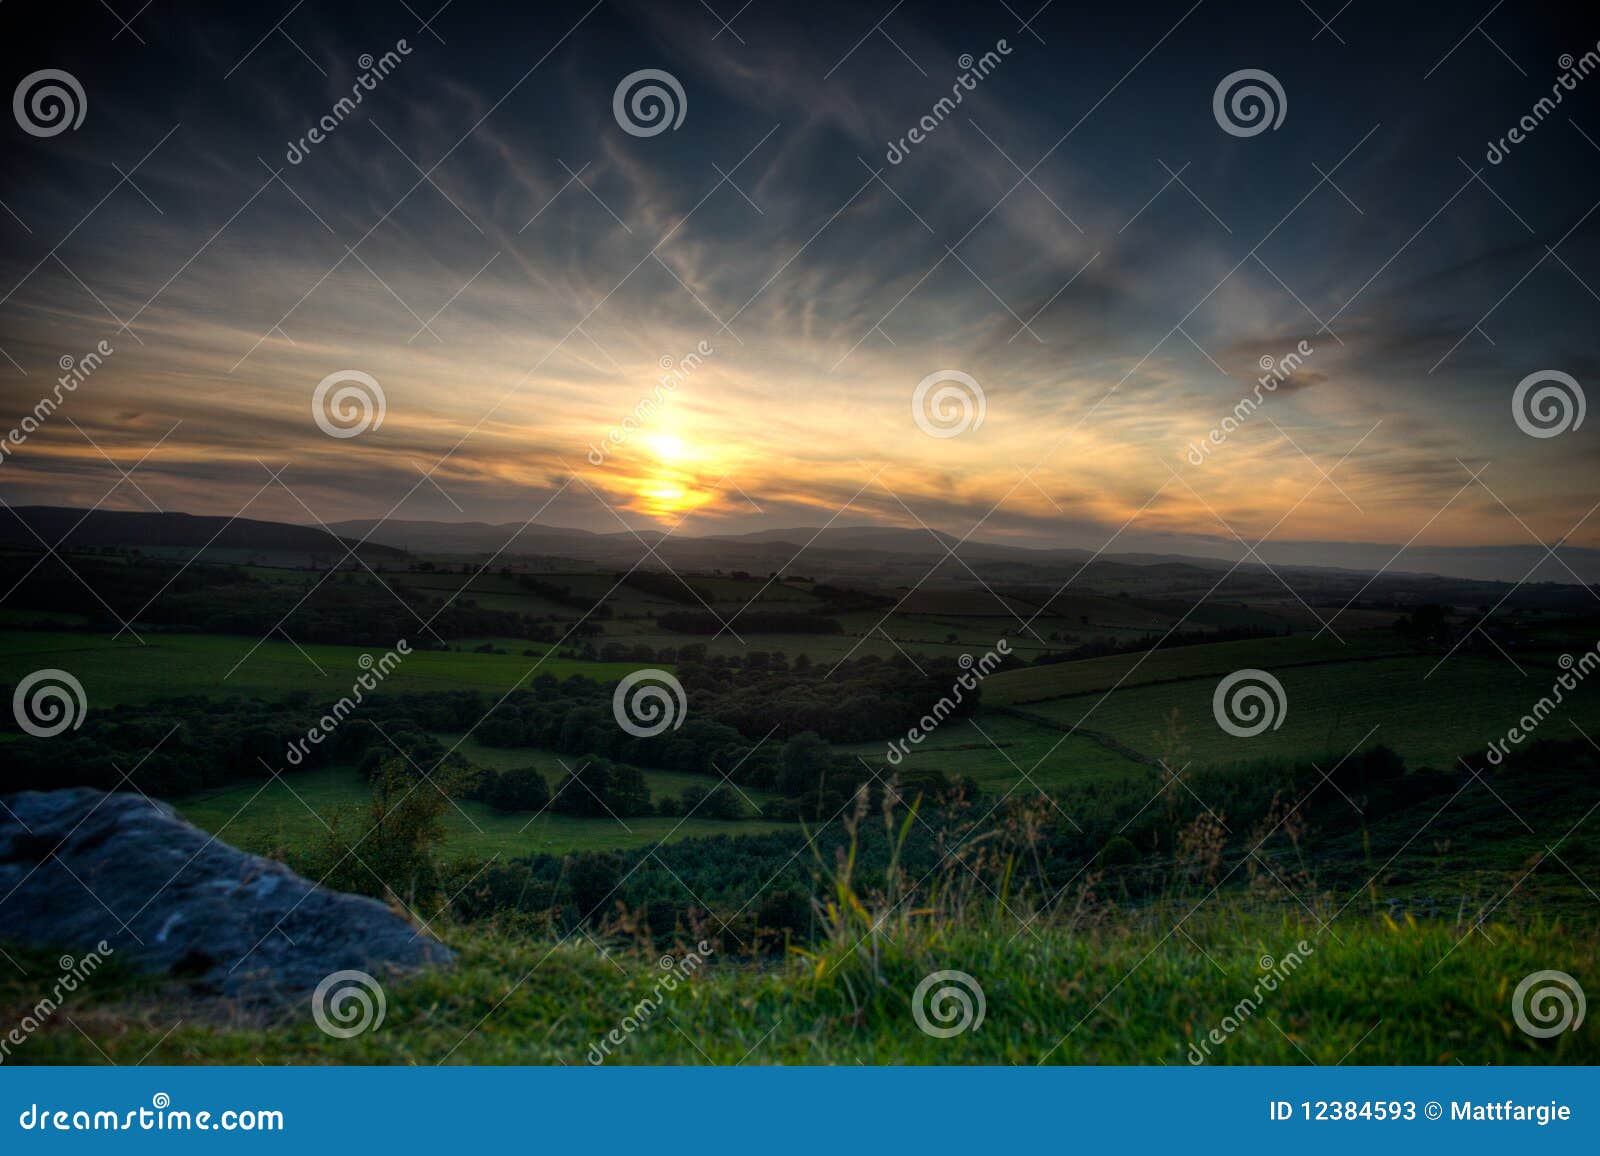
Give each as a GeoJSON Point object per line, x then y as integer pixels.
{"type": "Point", "coordinates": [517, 303]}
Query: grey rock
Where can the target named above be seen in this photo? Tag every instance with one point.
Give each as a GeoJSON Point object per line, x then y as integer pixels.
{"type": "Point", "coordinates": [80, 866]}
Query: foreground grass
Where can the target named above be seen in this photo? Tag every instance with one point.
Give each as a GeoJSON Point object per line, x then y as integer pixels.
{"type": "Point", "coordinates": [1369, 992]}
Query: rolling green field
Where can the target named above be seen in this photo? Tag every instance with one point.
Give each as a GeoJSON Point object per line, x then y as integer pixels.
{"type": "Point", "coordinates": [1430, 720]}
{"type": "Point", "coordinates": [122, 670]}
{"type": "Point", "coordinates": [1018, 687]}
{"type": "Point", "coordinates": [937, 622]}
{"type": "Point", "coordinates": [1119, 986]}
{"type": "Point", "coordinates": [1001, 752]}
{"type": "Point", "coordinates": [290, 813]}
{"type": "Point", "coordinates": [1367, 688]}
{"type": "Point", "coordinates": [505, 592]}
{"type": "Point", "coordinates": [870, 633]}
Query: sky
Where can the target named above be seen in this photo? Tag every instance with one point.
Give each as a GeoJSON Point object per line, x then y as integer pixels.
{"type": "Point", "coordinates": [1086, 244]}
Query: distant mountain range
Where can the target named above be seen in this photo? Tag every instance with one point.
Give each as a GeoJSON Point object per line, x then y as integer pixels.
{"type": "Point", "coordinates": [807, 547]}
{"type": "Point", "coordinates": [765, 550]}
{"type": "Point", "coordinates": [887, 553]}
{"type": "Point", "coordinates": [67, 528]}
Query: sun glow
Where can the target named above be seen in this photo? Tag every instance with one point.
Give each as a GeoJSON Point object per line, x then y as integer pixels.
{"type": "Point", "coordinates": [666, 493]}
{"type": "Point", "coordinates": [670, 485]}
{"type": "Point", "coordinates": [668, 447]}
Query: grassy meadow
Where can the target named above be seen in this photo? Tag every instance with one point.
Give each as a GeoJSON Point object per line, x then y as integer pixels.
{"type": "Point", "coordinates": [1109, 914]}
{"type": "Point", "coordinates": [1431, 716]}
{"type": "Point", "coordinates": [284, 817]}
{"type": "Point", "coordinates": [1370, 991]}
{"type": "Point", "coordinates": [168, 665]}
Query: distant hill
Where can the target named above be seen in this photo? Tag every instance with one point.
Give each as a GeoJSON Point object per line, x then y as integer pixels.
{"type": "Point", "coordinates": [766, 550]}
{"type": "Point", "coordinates": [481, 537]}
{"type": "Point", "coordinates": [858, 549]}
{"type": "Point", "coordinates": [880, 555]}
{"type": "Point", "coordinates": [172, 531]}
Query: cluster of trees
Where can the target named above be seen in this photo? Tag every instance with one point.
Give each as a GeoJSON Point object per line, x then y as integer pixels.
{"type": "Point", "coordinates": [854, 701]}
{"type": "Point", "coordinates": [761, 720]}
{"type": "Point", "coordinates": [178, 746]}
{"type": "Point", "coordinates": [1435, 627]}
{"type": "Point", "coordinates": [181, 746]}
{"type": "Point", "coordinates": [1102, 646]}
{"type": "Point", "coordinates": [758, 719]}
{"type": "Point", "coordinates": [1426, 625]}
{"type": "Point", "coordinates": [1103, 840]}
{"type": "Point", "coordinates": [667, 587]}
{"type": "Point", "coordinates": [635, 652]}
{"type": "Point", "coordinates": [345, 608]}
{"type": "Point", "coordinates": [848, 599]}
{"type": "Point", "coordinates": [595, 788]}
{"type": "Point", "coordinates": [754, 621]}
{"type": "Point", "coordinates": [512, 789]}
{"type": "Point", "coordinates": [1130, 847]}
{"type": "Point", "coordinates": [561, 595]}
{"type": "Point", "coordinates": [391, 847]}
{"type": "Point", "coordinates": [718, 801]}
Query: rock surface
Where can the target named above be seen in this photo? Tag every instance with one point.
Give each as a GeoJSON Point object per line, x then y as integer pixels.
{"type": "Point", "coordinates": [79, 866]}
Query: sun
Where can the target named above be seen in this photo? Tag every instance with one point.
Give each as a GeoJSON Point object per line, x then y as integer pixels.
{"type": "Point", "coordinates": [667, 497]}
{"type": "Point", "coordinates": [668, 447]}
{"type": "Point", "coordinates": [664, 495]}
{"type": "Point", "coordinates": [670, 483]}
